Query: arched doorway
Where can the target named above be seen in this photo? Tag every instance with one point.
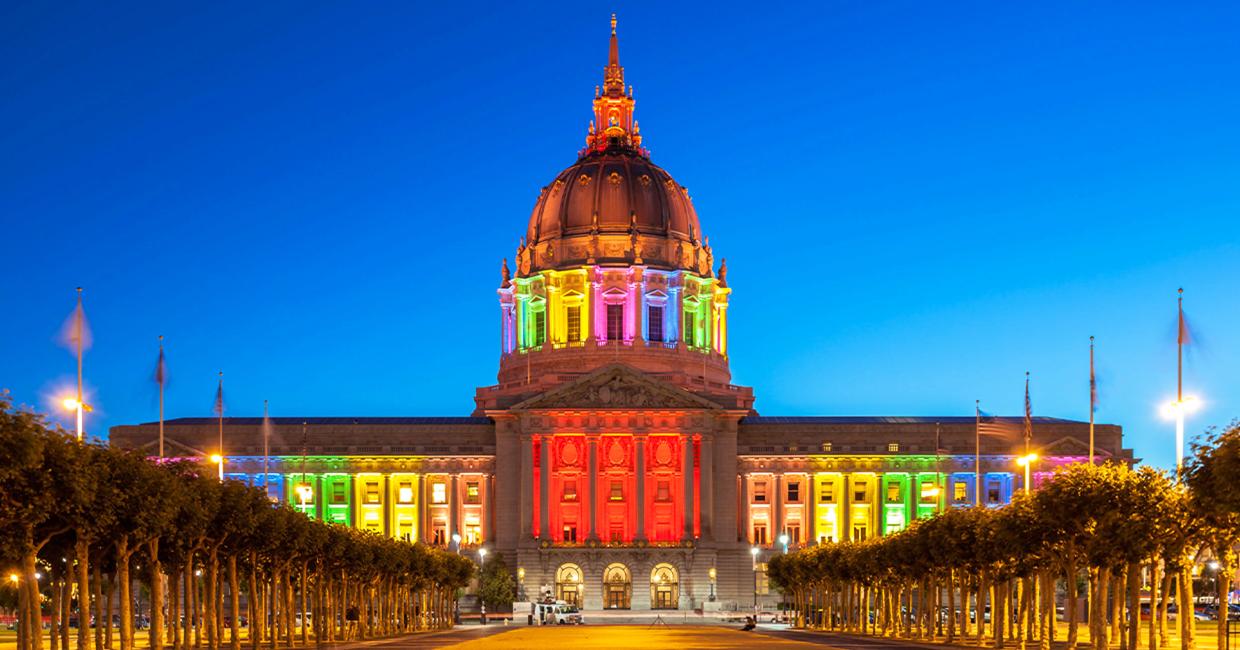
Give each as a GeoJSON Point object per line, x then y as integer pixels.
{"type": "Point", "coordinates": [664, 587]}
{"type": "Point", "coordinates": [568, 584]}
{"type": "Point", "coordinates": [617, 587]}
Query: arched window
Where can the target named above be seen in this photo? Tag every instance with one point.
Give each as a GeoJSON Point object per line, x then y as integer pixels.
{"type": "Point", "coordinates": [617, 587]}
{"type": "Point", "coordinates": [664, 587]}
{"type": "Point", "coordinates": [568, 584]}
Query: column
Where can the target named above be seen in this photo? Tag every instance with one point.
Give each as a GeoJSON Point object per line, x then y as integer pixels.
{"type": "Point", "coordinates": [419, 488]}
{"type": "Point", "coordinates": [686, 443]}
{"type": "Point", "coordinates": [454, 502]}
{"type": "Point", "coordinates": [641, 490]}
{"type": "Point", "coordinates": [525, 512]}
{"type": "Point", "coordinates": [809, 496]}
{"type": "Point", "coordinates": [743, 520]}
{"type": "Point", "coordinates": [592, 486]}
{"type": "Point", "coordinates": [544, 486]}
{"type": "Point", "coordinates": [706, 476]}
{"type": "Point", "coordinates": [777, 507]}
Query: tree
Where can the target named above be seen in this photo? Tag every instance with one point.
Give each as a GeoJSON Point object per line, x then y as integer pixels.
{"type": "Point", "coordinates": [496, 585]}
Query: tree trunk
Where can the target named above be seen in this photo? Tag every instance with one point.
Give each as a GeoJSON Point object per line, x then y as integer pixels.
{"type": "Point", "coordinates": [1167, 577]}
{"type": "Point", "coordinates": [122, 578]}
{"type": "Point", "coordinates": [157, 597]}
{"type": "Point", "coordinates": [234, 600]}
{"type": "Point", "coordinates": [1134, 604]}
{"type": "Point", "coordinates": [1188, 635]}
{"type": "Point", "coordinates": [305, 592]}
{"type": "Point", "coordinates": [1073, 604]}
{"type": "Point", "coordinates": [1155, 582]}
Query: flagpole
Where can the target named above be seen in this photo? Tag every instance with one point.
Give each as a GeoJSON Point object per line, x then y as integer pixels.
{"type": "Point", "coordinates": [161, 396]}
{"type": "Point", "coordinates": [977, 449]}
{"type": "Point", "coordinates": [1093, 399]}
{"type": "Point", "coordinates": [80, 325]}
{"type": "Point", "coordinates": [220, 411]}
{"type": "Point", "coordinates": [1179, 385]}
{"type": "Point", "coordinates": [266, 430]}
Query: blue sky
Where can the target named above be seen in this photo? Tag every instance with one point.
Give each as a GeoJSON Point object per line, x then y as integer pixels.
{"type": "Point", "coordinates": [918, 202]}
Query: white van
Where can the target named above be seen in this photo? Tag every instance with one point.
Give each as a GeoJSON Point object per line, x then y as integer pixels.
{"type": "Point", "coordinates": [548, 613]}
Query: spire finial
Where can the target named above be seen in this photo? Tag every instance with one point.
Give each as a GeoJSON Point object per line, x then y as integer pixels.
{"type": "Point", "coordinates": [613, 24]}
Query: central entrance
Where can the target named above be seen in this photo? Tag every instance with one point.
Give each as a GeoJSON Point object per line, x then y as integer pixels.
{"type": "Point", "coordinates": [568, 584]}
{"type": "Point", "coordinates": [617, 587]}
{"type": "Point", "coordinates": [664, 587]}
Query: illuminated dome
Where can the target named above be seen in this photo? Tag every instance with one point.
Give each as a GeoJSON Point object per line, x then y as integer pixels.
{"type": "Point", "coordinates": [617, 192]}
{"type": "Point", "coordinates": [613, 206]}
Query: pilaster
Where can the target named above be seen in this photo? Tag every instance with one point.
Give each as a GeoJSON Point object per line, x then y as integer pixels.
{"type": "Point", "coordinates": [686, 442]}
{"type": "Point", "coordinates": [544, 486]}
{"type": "Point", "coordinates": [641, 487]}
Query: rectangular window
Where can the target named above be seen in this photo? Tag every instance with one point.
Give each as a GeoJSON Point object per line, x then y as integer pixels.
{"type": "Point", "coordinates": [759, 534]}
{"type": "Point", "coordinates": [690, 326]}
{"type": "Point", "coordinates": [794, 493]}
{"type": "Point", "coordinates": [859, 532]}
{"type": "Point", "coordinates": [826, 492]}
{"type": "Point", "coordinates": [859, 493]}
{"type": "Point", "coordinates": [338, 493]}
{"type": "Point", "coordinates": [617, 534]}
{"type": "Point", "coordinates": [372, 492]}
{"type": "Point", "coordinates": [572, 322]}
{"type": "Point", "coordinates": [929, 493]}
{"type": "Point", "coordinates": [439, 535]}
{"type": "Point", "coordinates": [654, 322]}
{"type": "Point", "coordinates": [992, 492]}
{"type": "Point", "coordinates": [615, 322]}
{"type": "Point", "coordinates": [794, 533]}
{"type": "Point", "coordinates": [893, 446]}
{"type": "Point", "coordinates": [439, 493]}
{"type": "Point", "coordinates": [617, 491]}
{"type": "Point", "coordinates": [570, 533]}
{"type": "Point", "coordinates": [663, 492]}
{"type": "Point", "coordinates": [893, 493]}
{"type": "Point", "coordinates": [540, 328]}
{"type": "Point", "coordinates": [759, 491]}
{"type": "Point", "coordinates": [471, 492]}
{"type": "Point", "coordinates": [570, 490]}
{"type": "Point", "coordinates": [960, 492]}
{"type": "Point", "coordinates": [404, 493]}
{"type": "Point", "coordinates": [826, 446]}
{"type": "Point", "coordinates": [473, 534]}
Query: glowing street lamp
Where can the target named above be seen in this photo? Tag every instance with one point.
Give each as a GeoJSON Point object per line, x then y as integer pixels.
{"type": "Point", "coordinates": [304, 493]}
{"type": "Point", "coordinates": [456, 539]}
{"type": "Point", "coordinates": [783, 539]}
{"type": "Point", "coordinates": [1178, 409]}
{"type": "Point", "coordinates": [79, 407]}
{"type": "Point", "coordinates": [1027, 461]}
{"type": "Point", "coordinates": [219, 463]}
{"type": "Point", "coordinates": [714, 575]}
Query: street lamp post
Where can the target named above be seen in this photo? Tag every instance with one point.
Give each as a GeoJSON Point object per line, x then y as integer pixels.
{"type": "Point", "coordinates": [1178, 409]}
{"type": "Point", "coordinates": [783, 539]}
{"type": "Point", "coordinates": [482, 560]}
{"type": "Point", "coordinates": [754, 552]}
{"type": "Point", "coordinates": [713, 576]}
{"type": "Point", "coordinates": [456, 540]}
{"type": "Point", "coordinates": [219, 463]}
{"type": "Point", "coordinates": [1027, 461]}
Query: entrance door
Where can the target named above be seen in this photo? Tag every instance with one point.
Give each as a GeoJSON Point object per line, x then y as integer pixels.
{"type": "Point", "coordinates": [664, 587]}
{"type": "Point", "coordinates": [617, 587]}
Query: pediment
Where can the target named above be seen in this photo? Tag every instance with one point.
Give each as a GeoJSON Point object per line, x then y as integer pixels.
{"type": "Point", "coordinates": [172, 449]}
{"type": "Point", "coordinates": [1069, 446]}
{"type": "Point", "coordinates": [616, 386]}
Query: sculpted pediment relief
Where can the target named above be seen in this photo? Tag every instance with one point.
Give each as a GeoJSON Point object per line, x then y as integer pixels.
{"type": "Point", "coordinates": [617, 386]}
{"type": "Point", "coordinates": [1069, 446]}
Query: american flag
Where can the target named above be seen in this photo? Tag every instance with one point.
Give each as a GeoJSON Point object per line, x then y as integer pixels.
{"type": "Point", "coordinates": [161, 369]}
{"type": "Point", "coordinates": [1028, 412]}
{"type": "Point", "coordinates": [219, 399]}
{"type": "Point", "coordinates": [998, 427]}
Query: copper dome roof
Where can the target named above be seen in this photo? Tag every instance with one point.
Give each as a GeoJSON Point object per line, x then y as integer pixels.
{"type": "Point", "coordinates": [617, 192]}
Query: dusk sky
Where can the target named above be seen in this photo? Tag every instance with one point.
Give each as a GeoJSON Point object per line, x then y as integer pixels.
{"type": "Point", "coordinates": [918, 202]}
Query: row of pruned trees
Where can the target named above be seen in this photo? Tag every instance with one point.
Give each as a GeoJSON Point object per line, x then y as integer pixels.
{"type": "Point", "coordinates": [1102, 533]}
{"type": "Point", "coordinates": [81, 524]}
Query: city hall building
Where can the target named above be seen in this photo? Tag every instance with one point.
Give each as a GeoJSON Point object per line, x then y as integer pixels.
{"type": "Point", "coordinates": [614, 463]}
